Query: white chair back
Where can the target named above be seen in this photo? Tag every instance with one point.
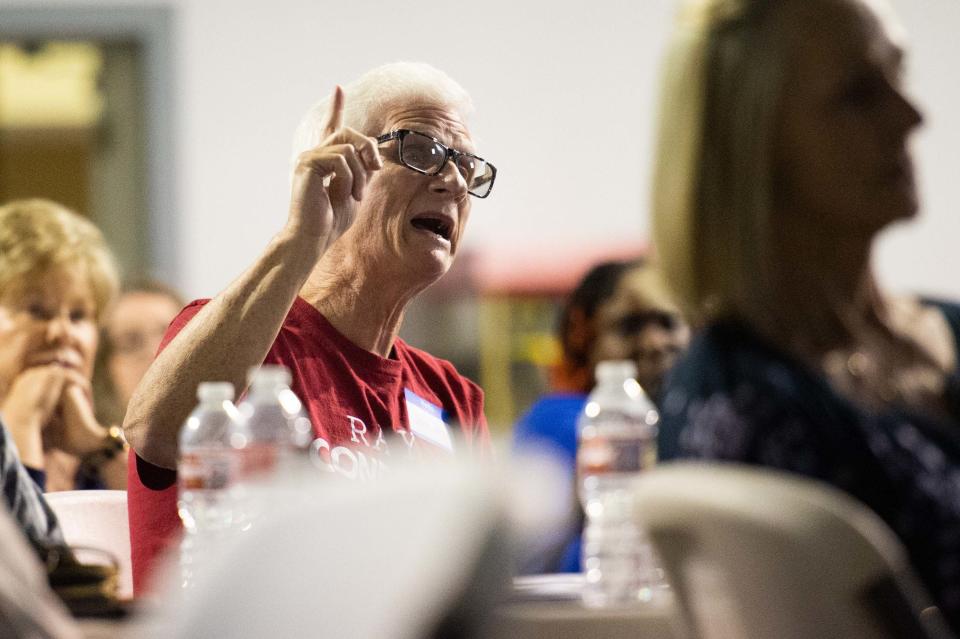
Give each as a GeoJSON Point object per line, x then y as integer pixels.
{"type": "Point", "coordinates": [416, 554]}
{"type": "Point", "coordinates": [97, 519]}
{"type": "Point", "coordinates": [754, 553]}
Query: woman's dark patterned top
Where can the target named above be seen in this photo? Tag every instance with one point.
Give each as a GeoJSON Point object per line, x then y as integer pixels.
{"type": "Point", "coordinates": [735, 397]}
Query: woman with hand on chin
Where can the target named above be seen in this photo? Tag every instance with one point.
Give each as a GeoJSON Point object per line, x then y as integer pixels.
{"type": "Point", "coordinates": [56, 278]}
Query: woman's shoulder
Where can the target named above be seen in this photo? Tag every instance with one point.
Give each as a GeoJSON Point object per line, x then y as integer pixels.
{"type": "Point", "coordinates": [727, 355]}
{"type": "Point", "coordinates": [733, 382]}
{"type": "Point", "coordinates": [950, 311]}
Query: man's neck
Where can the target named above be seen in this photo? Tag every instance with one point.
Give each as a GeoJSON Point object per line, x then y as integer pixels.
{"type": "Point", "coordinates": [367, 309]}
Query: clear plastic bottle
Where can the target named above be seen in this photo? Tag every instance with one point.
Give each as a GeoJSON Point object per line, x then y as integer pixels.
{"type": "Point", "coordinates": [207, 474]}
{"type": "Point", "coordinates": [276, 433]}
{"type": "Point", "coordinates": [617, 440]}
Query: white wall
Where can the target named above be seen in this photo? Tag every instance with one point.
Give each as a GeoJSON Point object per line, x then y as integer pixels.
{"type": "Point", "coordinates": [562, 98]}
{"type": "Point", "coordinates": [565, 95]}
{"type": "Point", "coordinates": [922, 255]}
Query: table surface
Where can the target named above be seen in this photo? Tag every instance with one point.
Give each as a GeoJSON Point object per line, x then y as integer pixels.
{"type": "Point", "coordinates": [569, 620]}
{"type": "Point", "coordinates": [549, 607]}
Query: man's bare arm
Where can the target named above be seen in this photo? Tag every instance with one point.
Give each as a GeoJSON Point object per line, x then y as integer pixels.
{"type": "Point", "coordinates": [235, 330]}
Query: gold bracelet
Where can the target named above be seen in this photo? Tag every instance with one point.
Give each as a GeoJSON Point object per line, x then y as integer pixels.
{"type": "Point", "coordinates": [113, 444]}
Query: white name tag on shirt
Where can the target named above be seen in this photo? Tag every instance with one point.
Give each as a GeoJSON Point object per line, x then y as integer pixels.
{"type": "Point", "coordinates": [426, 421]}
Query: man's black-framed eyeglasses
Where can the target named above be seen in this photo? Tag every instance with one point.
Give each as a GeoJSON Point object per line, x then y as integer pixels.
{"type": "Point", "coordinates": [428, 155]}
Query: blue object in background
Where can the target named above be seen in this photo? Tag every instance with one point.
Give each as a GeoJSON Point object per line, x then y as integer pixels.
{"type": "Point", "coordinates": [551, 424]}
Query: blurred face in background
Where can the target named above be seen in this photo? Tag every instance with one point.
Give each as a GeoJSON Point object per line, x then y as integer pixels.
{"type": "Point", "coordinates": [638, 323]}
{"type": "Point", "coordinates": [48, 319]}
{"type": "Point", "coordinates": [842, 162]}
{"type": "Point", "coordinates": [134, 329]}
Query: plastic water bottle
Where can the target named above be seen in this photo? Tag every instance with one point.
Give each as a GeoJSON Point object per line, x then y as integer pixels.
{"type": "Point", "coordinates": [617, 434]}
{"type": "Point", "coordinates": [276, 433]}
{"type": "Point", "coordinates": [206, 474]}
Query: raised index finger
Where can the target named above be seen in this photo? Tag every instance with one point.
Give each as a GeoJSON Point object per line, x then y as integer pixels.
{"type": "Point", "coordinates": [335, 117]}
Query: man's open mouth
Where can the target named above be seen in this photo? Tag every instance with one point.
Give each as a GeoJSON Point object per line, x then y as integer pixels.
{"type": "Point", "coordinates": [438, 225]}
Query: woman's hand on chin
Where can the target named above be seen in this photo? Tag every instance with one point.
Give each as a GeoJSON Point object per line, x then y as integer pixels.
{"type": "Point", "coordinates": [77, 430]}
{"type": "Point", "coordinates": [30, 406]}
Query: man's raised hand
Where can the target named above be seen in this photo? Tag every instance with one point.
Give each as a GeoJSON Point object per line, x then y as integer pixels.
{"type": "Point", "coordinates": [330, 179]}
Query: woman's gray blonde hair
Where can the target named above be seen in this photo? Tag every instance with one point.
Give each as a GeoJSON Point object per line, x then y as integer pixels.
{"type": "Point", "coordinates": [38, 235]}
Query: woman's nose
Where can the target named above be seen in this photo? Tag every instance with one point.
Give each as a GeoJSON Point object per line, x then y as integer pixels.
{"type": "Point", "coordinates": [58, 329]}
{"type": "Point", "coordinates": [656, 348]}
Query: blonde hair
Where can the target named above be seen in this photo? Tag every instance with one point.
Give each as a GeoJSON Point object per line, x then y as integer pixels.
{"type": "Point", "coordinates": [713, 185]}
{"type": "Point", "coordinates": [39, 235]}
{"type": "Point", "coordinates": [367, 99]}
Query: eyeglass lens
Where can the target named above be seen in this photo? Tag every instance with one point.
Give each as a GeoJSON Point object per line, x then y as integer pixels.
{"type": "Point", "coordinates": [427, 155]}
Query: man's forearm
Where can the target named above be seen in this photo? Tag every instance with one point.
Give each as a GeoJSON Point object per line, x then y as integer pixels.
{"type": "Point", "coordinates": [233, 332]}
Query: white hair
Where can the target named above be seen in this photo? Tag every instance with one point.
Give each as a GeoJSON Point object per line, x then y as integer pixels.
{"type": "Point", "coordinates": [367, 99]}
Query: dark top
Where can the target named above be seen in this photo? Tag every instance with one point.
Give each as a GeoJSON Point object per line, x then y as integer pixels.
{"type": "Point", "coordinates": [23, 497]}
{"type": "Point", "coordinates": [735, 397]}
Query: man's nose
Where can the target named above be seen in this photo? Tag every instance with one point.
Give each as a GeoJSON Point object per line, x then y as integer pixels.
{"type": "Point", "coordinates": [449, 179]}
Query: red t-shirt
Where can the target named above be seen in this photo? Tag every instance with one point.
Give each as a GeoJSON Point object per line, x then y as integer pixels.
{"type": "Point", "coordinates": [353, 397]}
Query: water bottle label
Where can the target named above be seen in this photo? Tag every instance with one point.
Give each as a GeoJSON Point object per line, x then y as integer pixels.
{"type": "Point", "coordinates": [205, 470]}
{"type": "Point", "coordinates": [599, 455]}
{"type": "Point", "coordinates": [259, 459]}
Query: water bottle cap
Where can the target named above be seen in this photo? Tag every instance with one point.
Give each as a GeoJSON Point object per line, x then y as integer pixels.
{"type": "Point", "coordinates": [268, 376]}
{"type": "Point", "coordinates": [615, 370]}
{"type": "Point", "coordinates": [215, 391]}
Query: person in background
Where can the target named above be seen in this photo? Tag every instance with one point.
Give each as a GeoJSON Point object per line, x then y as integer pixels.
{"type": "Point", "coordinates": [783, 152]}
{"type": "Point", "coordinates": [129, 337]}
{"type": "Point", "coordinates": [57, 277]}
{"type": "Point", "coordinates": [619, 310]}
{"type": "Point", "coordinates": [383, 182]}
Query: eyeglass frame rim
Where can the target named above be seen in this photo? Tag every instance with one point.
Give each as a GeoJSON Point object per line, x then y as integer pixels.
{"type": "Point", "coordinates": [450, 152]}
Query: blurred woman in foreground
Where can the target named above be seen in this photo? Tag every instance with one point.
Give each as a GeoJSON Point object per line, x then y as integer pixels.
{"type": "Point", "coordinates": [783, 152]}
{"type": "Point", "coordinates": [56, 278]}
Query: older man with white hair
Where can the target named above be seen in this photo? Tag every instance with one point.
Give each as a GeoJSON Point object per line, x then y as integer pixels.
{"type": "Point", "coordinates": [381, 192]}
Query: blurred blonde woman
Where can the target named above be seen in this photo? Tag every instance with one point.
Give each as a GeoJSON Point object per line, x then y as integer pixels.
{"type": "Point", "coordinates": [57, 277]}
{"type": "Point", "coordinates": [784, 151]}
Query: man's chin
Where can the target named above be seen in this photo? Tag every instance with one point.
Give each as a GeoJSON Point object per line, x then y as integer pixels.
{"type": "Point", "coordinates": [436, 265]}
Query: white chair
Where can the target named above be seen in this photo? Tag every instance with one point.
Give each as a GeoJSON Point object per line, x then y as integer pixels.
{"type": "Point", "coordinates": [753, 553]}
{"type": "Point", "coordinates": [417, 554]}
{"type": "Point", "coordinates": [97, 519]}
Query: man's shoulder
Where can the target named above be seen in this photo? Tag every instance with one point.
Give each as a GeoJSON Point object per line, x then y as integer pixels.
{"type": "Point", "coordinates": [296, 318]}
{"type": "Point", "coordinates": [182, 318]}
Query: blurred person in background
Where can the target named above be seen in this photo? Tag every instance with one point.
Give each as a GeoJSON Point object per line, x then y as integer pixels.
{"type": "Point", "coordinates": [57, 277]}
{"type": "Point", "coordinates": [619, 310]}
{"type": "Point", "coordinates": [783, 152]}
{"type": "Point", "coordinates": [129, 337]}
{"type": "Point", "coordinates": [384, 178]}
